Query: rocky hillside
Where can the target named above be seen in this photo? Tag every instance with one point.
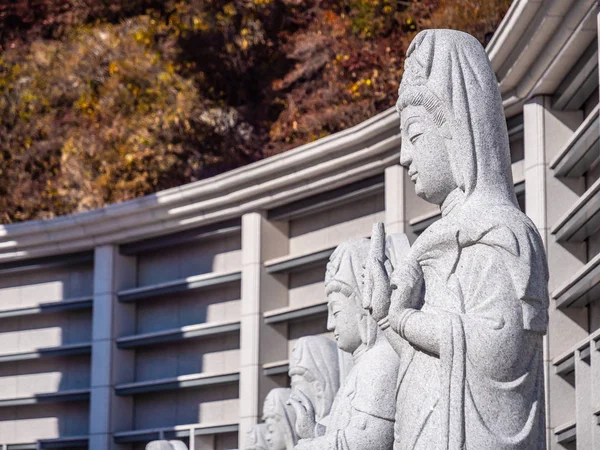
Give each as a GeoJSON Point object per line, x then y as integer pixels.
{"type": "Point", "coordinates": [107, 100]}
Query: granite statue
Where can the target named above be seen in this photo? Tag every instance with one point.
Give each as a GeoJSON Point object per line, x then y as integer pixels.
{"type": "Point", "coordinates": [467, 309]}
{"type": "Point", "coordinates": [166, 445]}
{"type": "Point", "coordinates": [279, 420]}
{"type": "Point", "coordinates": [362, 415]}
{"type": "Point", "coordinates": [315, 379]}
{"type": "Point", "coordinates": [255, 439]}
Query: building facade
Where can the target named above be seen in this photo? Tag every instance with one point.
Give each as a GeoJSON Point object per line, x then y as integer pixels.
{"type": "Point", "coordinates": [172, 316]}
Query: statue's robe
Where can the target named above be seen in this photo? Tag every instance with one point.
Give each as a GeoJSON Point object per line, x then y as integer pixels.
{"type": "Point", "coordinates": [366, 398]}
{"type": "Point", "coordinates": [486, 388]}
{"type": "Point", "coordinates": [484, 268]}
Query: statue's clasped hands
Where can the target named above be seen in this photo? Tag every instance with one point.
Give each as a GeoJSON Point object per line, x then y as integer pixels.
{"type": "Point", "coordinates": [387, 290]}
{"type": "Point", "coordinates": [305, 414]}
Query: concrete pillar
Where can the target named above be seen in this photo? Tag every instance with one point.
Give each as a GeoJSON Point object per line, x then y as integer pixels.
{"type": "Point", "coordinates": [261, 240]}
{"type": "Point", "coordinates": [110, 366]}
{"type": "Point", "coordinates": [395, 218]}
{"type": "Point", "coordinates": [250, 369]}
{"type": "Point", "coordinates": [546, 200]}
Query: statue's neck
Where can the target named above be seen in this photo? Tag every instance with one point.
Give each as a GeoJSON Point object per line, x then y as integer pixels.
{"type": "Point", "coordinates": [361, 350]}
{"type": "Point", "coordinates": [453, 199]}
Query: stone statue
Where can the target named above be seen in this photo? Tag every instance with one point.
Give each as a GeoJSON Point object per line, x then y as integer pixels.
{"type": "Point", "coordinates": [255, 439]}
{"type": "Point", "coordinates": [166, 445]}
{"type": "Point", "coordinates": [315, 375]}
{"type": "Point", "coordinates": [362, 415]}
{"type": "Point", "coordinates": [279, 419]}
{"type": "Point", "coordinates": [467, 309]}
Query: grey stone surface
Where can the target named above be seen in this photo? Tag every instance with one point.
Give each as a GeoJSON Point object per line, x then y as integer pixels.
{"type": "Point", "coordinates": [362, 415]}
{"type": "Point", "coordinates": [468, 307]}
{"type": "Point", "coordinates": [315, 379]}
{"type": "Point", "coordinates": [279, 418]}
{"type": "Point", "coordinates": [255, 439]}
{"type": "Point", "coordinates": [166, 445]}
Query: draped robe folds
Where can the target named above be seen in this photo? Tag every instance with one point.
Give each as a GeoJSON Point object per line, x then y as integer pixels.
{"type": "Point", "coordinates": [484, 269]}
{"type": "Point", "coordinates": [365, 404]}
{"type": "Point", "coordinates": [486, 389]}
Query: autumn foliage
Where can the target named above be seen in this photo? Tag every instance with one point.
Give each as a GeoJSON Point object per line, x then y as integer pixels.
{"type": "Point", "coordinates": [107, 100]}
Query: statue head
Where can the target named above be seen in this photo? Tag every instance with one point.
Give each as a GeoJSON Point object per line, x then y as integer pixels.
{"type": "Point", "coordinates": [352, 326]}
{"type": "Point", "coordinates": [280, 420]}
{"type": "Point", "coordinates": [454, 137]}
{"type": "Point", "coordinates": [255, 439]}
{"type": "Point", "coordinates": [315, 371]}
{"type": "Point", "coordinates": [166, 445]}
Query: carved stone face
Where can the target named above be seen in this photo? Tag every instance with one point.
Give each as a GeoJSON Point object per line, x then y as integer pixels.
{"type": "Point", "coordinates": [275, 434]}
{"type": "Point", "coordinates": [343, 319]}
{"type": "Point", "coordinates": [424, 153]}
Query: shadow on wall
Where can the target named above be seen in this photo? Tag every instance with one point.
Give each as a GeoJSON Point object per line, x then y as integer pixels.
{"type": "Point", "coordinates": [188, 406]}
{"type": "Point", "coordinates": [38, 382]}
{"type": "Point", "coordinates": [43, 394]}
{"type": "Point", "coordinates": [188, 259]}
{"type": "Point", "coordinates": [212, 355]}
{"type": "Point", "coordinates": [188, 308]}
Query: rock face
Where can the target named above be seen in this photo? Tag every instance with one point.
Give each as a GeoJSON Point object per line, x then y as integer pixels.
{"type": "Point", "coordinates": [467, 309]}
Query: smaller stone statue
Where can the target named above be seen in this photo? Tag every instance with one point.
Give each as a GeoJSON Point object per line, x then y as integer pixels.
{"type": "Point", "coordinates": [279, 419]}
{"type": "Point", "coordinates": [362, 415]}
{"type": "Point", "coordinates": [166, 445]}
{"type": "Point", "coordinates": [315, 376]}
{"type": "Point", "coordinates": [255, 439]}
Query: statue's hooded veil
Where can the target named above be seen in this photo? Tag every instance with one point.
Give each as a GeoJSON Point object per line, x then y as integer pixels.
{"type": "Point", "coordinates": [316, 358]}
{"type": "Point", "coordinates": [448, 73]}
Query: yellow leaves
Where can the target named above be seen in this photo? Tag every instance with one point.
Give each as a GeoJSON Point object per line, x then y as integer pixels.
{"type": "Point", "coordinates": [341, 57]}
{"type": "Point", "coordinates": [15, 70]}
{"type": "Point", "coordinates": [139, 36]}
{"type": "Point", "coordinates": [355, 88]}
{"type": "Point", "coordinates": [229, 9]}
{"type": "Point", "coordinates": [113, 68]}
{"type": "Point", "coordinates": [410, 24]}
{"type": "Point", "coordinates": [198, 24]}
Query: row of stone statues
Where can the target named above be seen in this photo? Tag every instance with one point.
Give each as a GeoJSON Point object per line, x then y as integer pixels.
{"type": "Point", "coordinates": [445, 336]}
{"type": "Point", "coordinates": [440, 344]}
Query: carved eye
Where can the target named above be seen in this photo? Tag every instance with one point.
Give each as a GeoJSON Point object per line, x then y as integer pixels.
{"type": "Point", "coordinates": [414, 131]}
{"type": "Point", "coordinates": [415, 137]}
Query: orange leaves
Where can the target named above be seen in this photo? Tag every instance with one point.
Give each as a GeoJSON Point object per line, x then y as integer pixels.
{"type": "Point", "coordinates": [104, 111]}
